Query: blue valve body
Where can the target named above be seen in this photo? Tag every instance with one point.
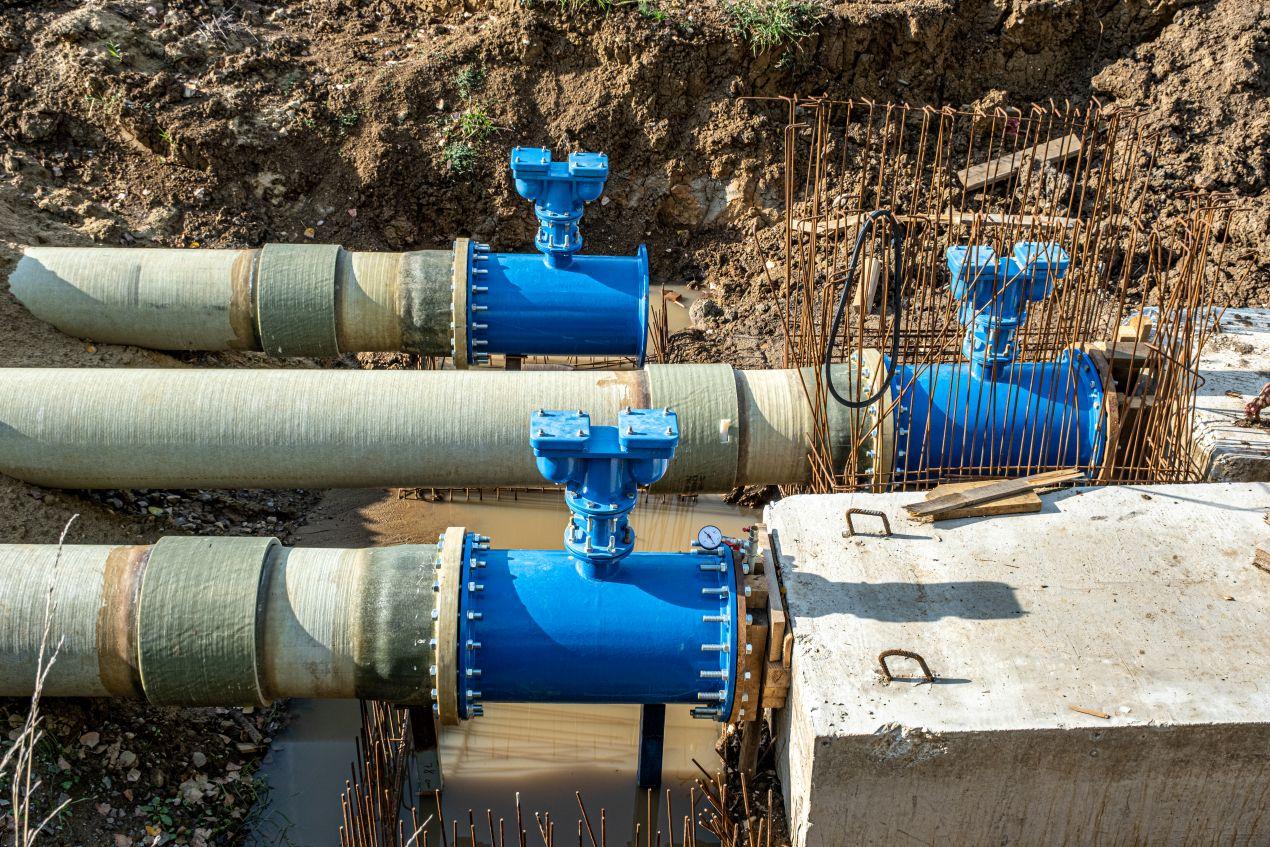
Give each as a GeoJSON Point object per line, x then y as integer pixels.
{"type": "Point", "coordinates": [993, 411]}
{"type": "Point", "coordinates": [1029, 415]}
{"type": "Point", "coordinates": [556, 302]}
{"type": "Point", "coordinates": [594, 306]}
{"type": "Point", "coordinates": [994, 295]}
{"type": "Point", "coordinates": [602, 468]}
{"type": "Point", "coordinates": [596, 622]}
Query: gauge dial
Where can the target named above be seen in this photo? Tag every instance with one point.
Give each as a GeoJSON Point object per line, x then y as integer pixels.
{"type": "Point", "coordinates": [710, 537]}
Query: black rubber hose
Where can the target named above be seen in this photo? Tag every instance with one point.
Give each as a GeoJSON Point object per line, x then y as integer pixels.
{"type": "Point", "coordinates": [897, 308]}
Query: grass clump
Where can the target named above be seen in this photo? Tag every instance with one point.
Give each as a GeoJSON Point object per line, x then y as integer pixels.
{"type": "Point", "coordinates": [771, 23]}
{"type": "Point", "coordinates": [651, 10]}
{"type": "Point", "coordinates": [469, 81]}
{"type": "Point", "coordinates": [460, 157]}
{"type": "Point", "coordinates": [475, 124]}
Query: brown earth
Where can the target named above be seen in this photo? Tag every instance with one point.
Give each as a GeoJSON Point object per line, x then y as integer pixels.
{"type": "Point", "coordinates": [207, 123]}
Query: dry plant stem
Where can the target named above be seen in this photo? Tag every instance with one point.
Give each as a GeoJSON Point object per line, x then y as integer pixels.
{"type": "Point", "coordinates": [20, 757]}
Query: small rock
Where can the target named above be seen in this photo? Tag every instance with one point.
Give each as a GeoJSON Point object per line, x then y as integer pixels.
{"type": "Point", "coordinates": [134, 775]}
{"type": "Point", "coordinates": [90, 739]}
{"type": "Point", "coordinates": [122, 840]}
{"type": "Point", "coordinates": [198, 759]}
{"type": "Point", "coordinates": [127, 758]}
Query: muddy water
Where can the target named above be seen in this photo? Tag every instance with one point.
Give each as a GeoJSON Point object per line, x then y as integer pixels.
{"type": "Point", "coordinates": [544, 752]}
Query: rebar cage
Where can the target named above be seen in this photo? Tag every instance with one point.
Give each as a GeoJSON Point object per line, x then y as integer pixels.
{"type": "Point", "coordinates": [1138, 297]}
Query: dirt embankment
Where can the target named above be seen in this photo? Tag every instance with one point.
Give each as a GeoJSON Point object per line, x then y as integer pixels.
{"type": "Point", "coordinates": [386, 125]}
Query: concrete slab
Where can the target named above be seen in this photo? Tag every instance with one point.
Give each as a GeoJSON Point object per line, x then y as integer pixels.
{"type": "Point", "coordinates": [1138, 603]}
{"type": "Point", "coordinates": [1235, 365]}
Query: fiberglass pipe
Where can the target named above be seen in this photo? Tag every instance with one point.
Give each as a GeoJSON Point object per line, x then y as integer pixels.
{"type": "Point", "coordinates": [322, 300]}
{"type": "Point", "coordinates": [178, 428]}
{"type": "Point", "coordinates": [244, 621]}
{"type": "Point", "coordinates": [218, 621]}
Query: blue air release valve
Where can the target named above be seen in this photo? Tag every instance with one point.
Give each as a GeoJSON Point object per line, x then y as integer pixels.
{"type": "Point", "coordinates": [994, 294]}
{"type": "Point", "coordinates": [559, 191]}
{"type": "Point", "coordinates": [602, 468]}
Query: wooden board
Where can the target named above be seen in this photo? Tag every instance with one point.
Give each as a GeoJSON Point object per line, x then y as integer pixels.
{"type": "Point", "coordinates": [775, 605]}
{"type": "Point", "coordinates": [935, 508]}
{"type": "Point", "coordinates": [835, 224]}
{"type": "Point", "coordinates": [1004, 167]}
{"type": "Point", "coordinates": [866, 290]}
{"type": "Point", "coordinates": [1261, 557]}
{"type": "Point", "coordinates": [1023, 502]}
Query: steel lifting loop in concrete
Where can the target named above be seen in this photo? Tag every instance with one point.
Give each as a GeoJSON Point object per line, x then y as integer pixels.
{"type": "Point", "coordinates": [908, 654]}
{"type": "Point", "coordinates": [850, 530]}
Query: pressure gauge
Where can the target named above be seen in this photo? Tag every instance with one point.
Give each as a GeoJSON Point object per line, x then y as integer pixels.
{"type": "Point", "coordinates": [709, 537]}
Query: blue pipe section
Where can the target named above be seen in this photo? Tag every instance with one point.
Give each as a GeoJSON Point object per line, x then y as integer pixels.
{"type": "Point", "coordinates": [1030, 414]}
{"type": "Point", "coordinates": [594, 306]}
{"type": "Point", "coordinates": [536, 628]}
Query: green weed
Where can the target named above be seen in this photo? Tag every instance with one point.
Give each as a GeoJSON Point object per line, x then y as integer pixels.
{"type": "Point", "coordinates": [460, 157]}
{"type": "Point", "coordinates": [114, 50]}
{"type": "Point", "coordinates": [651, 10]}
{"type": "Point", "coordinates": [475, 124]}
{"type": "Point", "coordinates": [469, 81]}
{"type": "Point", "coordinates": [770, 23]}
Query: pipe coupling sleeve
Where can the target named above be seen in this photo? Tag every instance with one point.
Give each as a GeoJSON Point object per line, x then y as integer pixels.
{"type": "Point", "coordinates": [295, 299]}
{"type": "Point", "coordinates": [394, 623]}
{"type": "Point", "coordinates": [197, 621]}
{"type": "Point", "coordinates": [871, 431]}
{"type": "Point", "coordinates": [710, 431]}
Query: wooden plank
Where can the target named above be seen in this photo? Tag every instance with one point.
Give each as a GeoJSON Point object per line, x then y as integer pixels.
{"type": "Point", "coordinates": [1004, 167]}
{"type": "Point", "coordinates": [934, 509]}
{"type": "Point", "coordinates": [747, 758]}
{"type": "Point", "coordinates": [747, 705]}
{"type": "Point", "coordinates": [866, 290]}
{"type": "Point", "coordinates": [835, 224]}
{"type": "Point", "coordinates": [775, 685]}
{"type": "Point", "coordinates": [1137, 352]}
{"type": "Point", "coordinates": [1021, 221]}
{"type": "Point", "coordinates": [1021, 503]}
{"type": "Point", "coordinates": [1261, 557]}
{"type": "Point", "coordinates": [777, 619]}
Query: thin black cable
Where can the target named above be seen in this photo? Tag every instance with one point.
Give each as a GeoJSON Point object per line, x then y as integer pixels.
{"type": "Point", "coordinates": [897, 308]}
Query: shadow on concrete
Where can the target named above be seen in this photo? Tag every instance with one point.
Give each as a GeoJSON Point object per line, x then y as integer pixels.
{"type": "Point", "coordinates": [811, 596]}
